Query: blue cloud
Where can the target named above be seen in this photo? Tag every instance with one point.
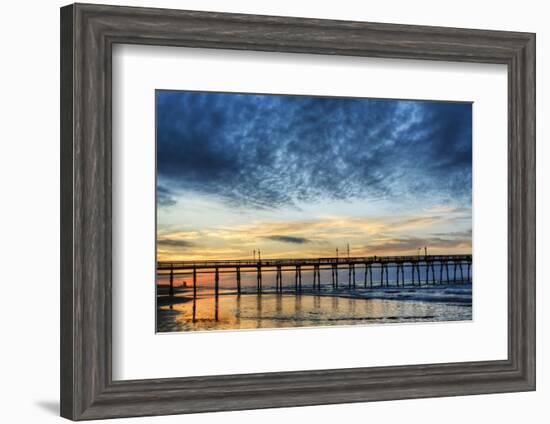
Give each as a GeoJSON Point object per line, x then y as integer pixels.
{"type": "Point", "coordinates": [272, 151]}
{"type": "Point", "coordinates": [165, 197]}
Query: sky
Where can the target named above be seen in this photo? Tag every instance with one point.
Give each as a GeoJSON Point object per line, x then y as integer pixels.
{"type": "Point", "coordinates": [302, 176]}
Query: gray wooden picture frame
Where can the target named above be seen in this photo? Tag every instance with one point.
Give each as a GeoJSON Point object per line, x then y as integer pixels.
{"type": "Point", "coordinates": [88, 33]}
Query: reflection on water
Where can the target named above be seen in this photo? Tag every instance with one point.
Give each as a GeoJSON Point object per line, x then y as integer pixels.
{"type": "Point", "coordinates": [275, 310]}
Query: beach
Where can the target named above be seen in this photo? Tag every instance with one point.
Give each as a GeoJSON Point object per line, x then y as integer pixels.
{"type": "Point", "coordinates": [310, 308]}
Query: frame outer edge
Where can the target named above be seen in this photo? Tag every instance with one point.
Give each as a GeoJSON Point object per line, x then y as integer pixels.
{"type": "Point", "coordinates": [529, 223]}
{"type": "Point", "coordinates": [67, 375]}
{"type": "Point", "coordinates": [522, 213]}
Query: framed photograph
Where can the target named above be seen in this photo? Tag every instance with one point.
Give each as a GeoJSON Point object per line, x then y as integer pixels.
{"type": "Point", "coordinates": [301, 190]}
{"type": "Point", "coordinates": [265, 211]}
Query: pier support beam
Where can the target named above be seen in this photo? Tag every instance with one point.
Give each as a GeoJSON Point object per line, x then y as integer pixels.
{"type": "Point", "coordinates": [194, 283]}
{"type": "Point", "coordinates": [259, 279]}
{"type": "Point", "coordinates": [318, 271]}
{"type": "Point", "coordinates": [298, 278]}
{"type": "Point", "coordinates": [318, 278]}
{"type": "Point", "coordinates": [239, 280]}
{"type": "Point", "coordinates": [447, 269]}
{"type": "Point", "coordinates": [469, 267]}
{"type": "Point", "coordinates": [279, 279]}
{"type": "Point", "coordinates": [217, 282]}
{"type": "Point", "coordinates": [397, 274]}
{"type": "Point", "coordinates": [454, 275]}
{"type": "Point", "coordinates": [171, 291]}
{"type": "Point", "coordinates": [461, 273]}
{"type": "Point", "coordinates": [314, 277]}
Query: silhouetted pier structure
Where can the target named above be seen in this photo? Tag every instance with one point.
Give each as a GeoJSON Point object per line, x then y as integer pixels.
{"type": "Point", "coordinates": [422, 271]}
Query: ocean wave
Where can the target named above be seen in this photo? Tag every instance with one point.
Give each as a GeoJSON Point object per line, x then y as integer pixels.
{"type": "Point", "coordinates": [456, 294]}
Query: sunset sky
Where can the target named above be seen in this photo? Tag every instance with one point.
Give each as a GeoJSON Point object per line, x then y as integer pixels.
{"type": "Point", "coordinates": [299, 176]}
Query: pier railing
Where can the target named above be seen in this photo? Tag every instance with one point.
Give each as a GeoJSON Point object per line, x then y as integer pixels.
{"type": "Point", "coordinates": [253, 263]}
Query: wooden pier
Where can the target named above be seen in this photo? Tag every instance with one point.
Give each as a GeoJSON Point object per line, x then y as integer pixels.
{"type": "Point", "coordinates": [422, 271]}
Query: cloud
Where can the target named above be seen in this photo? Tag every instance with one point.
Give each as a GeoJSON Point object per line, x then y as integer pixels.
{"type": "Point", "coordinates": [167, 243]}
{"type": "Point", "coordinates": [165, 197]}
{"type": "Point", "coordinates": [410, 245]}
{"type": "Point", "coordinates": [458, 234]}
{"type": "Point", "coordinates": [272, 151]}
{"type": "Point", "coordinates": [289, 239]}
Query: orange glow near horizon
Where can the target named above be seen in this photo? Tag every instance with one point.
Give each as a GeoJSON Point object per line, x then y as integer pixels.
{"type": "Point", "coordinates": [315, 238]}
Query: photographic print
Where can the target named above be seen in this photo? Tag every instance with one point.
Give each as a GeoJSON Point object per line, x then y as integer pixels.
{"type": "Point", "coordinates": [277, 211]}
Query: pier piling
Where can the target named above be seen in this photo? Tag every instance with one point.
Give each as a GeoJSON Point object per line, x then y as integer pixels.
{"type": "Point", "coordinates": [217, 281]}
{"type": "Point", "coordinates": [259, 279]}
{"type": "Point", "coordinates": [398, 273]}
{"type": "Point", "coordinates": [194, 283]}
{"type": "Point", "coordinates": [318, 272]}
{"type": "Point", "coordinates": [171, 291]}
{"type": "Point", "coordinates": [454, 274]}
{"type": "Point", "coordinates": [239, 280]}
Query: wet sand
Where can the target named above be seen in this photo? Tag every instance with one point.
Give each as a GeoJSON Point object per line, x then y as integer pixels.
{"type": "Point", "coordinates": [230, 311]}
